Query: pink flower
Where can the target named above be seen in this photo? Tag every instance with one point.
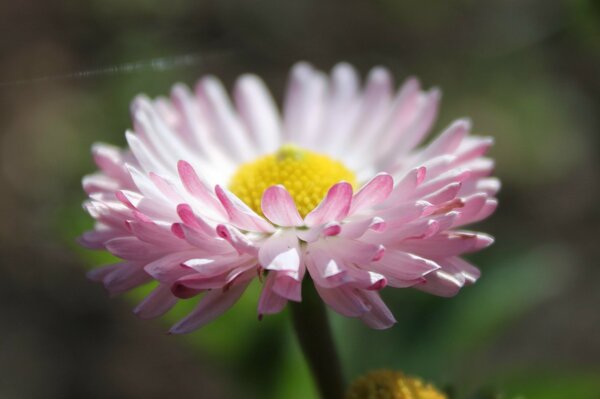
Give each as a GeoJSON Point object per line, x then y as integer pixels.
{"type": "Point", "coordinates": [211, 195]}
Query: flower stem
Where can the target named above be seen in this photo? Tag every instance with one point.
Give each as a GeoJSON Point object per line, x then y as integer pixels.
{"type": "Point", "coordinates": [310, 322]}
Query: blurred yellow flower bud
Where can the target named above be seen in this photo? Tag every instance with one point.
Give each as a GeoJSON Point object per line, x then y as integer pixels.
{"type": "Point", "coordinates": [388, 384]}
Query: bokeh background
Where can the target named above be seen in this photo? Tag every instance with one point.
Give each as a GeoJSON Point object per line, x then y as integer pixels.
{"type": "Point", "coordinates": [526, 71]}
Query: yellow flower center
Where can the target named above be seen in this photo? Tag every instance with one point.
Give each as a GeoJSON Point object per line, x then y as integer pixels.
{"type": "Point", "coordinates": [307, 176]}
{"type": "Point", "coordinates": [387, 384]}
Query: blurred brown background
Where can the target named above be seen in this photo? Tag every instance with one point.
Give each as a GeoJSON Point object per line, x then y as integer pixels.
{"type": "Point", "coordinates": [527, 72]}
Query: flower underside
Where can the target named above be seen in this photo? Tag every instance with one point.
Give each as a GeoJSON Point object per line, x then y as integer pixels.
{"type": "Point", "coordinates": [307, 176]}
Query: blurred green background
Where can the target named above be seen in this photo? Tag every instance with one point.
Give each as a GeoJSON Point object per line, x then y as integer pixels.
{"type": "Point", "coordinates": [527, 72]}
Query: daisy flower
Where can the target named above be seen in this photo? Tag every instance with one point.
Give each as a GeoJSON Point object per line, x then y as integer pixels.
{"type": "Point", "coordinates": [336, 189]}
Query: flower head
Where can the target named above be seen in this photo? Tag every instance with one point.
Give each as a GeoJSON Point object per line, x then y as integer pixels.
{"type": "Point", "coordinates": [212, 194]}
{"type": "Point", "coordinates": [387, 384]}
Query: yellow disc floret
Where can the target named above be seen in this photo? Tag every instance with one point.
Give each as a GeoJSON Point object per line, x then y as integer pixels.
{"type": "Point", "coordinates": [388, 384]}
{"type": "Point", "coordinates": [307, 176]}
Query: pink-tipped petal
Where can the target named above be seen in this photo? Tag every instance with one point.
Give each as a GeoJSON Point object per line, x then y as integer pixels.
{"type": "Point", "coordinates": [237, 239]}
{"type": "Point", "coordinates": [404, 269]}
{"type": "Point", "coordinates": [334, 207]}
{"type": "Point", "coordinates": [441, 283]}
{"type": "Point", "coordinates": [345, 300]}
{"type": "Point", "coordinates": [197, 188]}
{"type": "Point", "coordinates": [187, 216]}
{"type": "Point", "coordinates": [372, 193]}
{"type": "Point", "coordinates": [270, 302]}
{"type": "Point", "coordinates": [288, 285]}
{"type": "Point", "coordinates": [314, 233]}
{"type": "Point", "coordinates": [379, 316]}
{"type": "Point", "coordinates": [168, 268]}
{"type": "Point", "coordinates": [165, 187]}
{"type": "Point", "coordinates": [258, 112]}
{"type": "Point", "coordinates": [120, 277]}
{"type": "Point", "coordinates": [280, 252]}
{"type": "Point", "coordinates": [131, 248]}
{"type": "Point", "coordinates": [157, 303]}
{"type": "Point", "coordinates": [279, 207]}
{"type": "Point", "coordinates": [240, 214]}
{"type": "Point", "coordinates": [449, 140]}
{"type": "Point", "coordinates": [212, 305]}
{"type": "Point", "coordinates": [447, 244]}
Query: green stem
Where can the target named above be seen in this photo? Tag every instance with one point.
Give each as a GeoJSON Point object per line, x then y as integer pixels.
{"type": "Point", "coordinates": [312, 328]}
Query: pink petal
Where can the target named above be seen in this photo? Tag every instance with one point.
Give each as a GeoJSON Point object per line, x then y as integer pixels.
{"type": "Point", "coordinates": [219, 111]}
{"type": "Point", "coordinates": [317, 232]}
{"type": "Point", "coordinates": [279, 207]}
{"type": "Point", "coordinates": [402, 214]}
{"type": "Point", "coordinates": [211, 306]}
{"type": "Point", "coordinates": [480, 167]}
{"type": "Point", "coordinates": [270, 302]}
{"type": "Point", "coordinates": [379, 316]}
{"type": "Point", "coordinates": [324, 269]}
{"type": "Point", "coordinates": [372, 193]}
{"type": "Point", "coordinates": [192, 122]}
{"type": "Point", "coordinates": [373, 111]}
{"type": "Point", "coordinates": [344, 300]}
{"type": "Point", "coordinates": [258, 112]}
{"type": "Point", "coordinates": [197, 188]}
{"type": "Point", "coordinates": [461, 269]}
{"type": "Point", "coordinates": [407, 185]}
{"type": "Point", "coordinates": [357, 228]}
{"type": "Point", "coordinates": [334, 207]}
{"type": "Point", "coordinates": [490, 186]}
{"type": "Point", "coordinates": [473, 147]}
{"type": "Point", "coordinates": [230, 270]}
{"type": "Point", "coordinates": [342, 108]}
{"type": "Point", "coordinates": [441, 283]}
{"type": "Point", "coordinates": [472, 206]}
{"type": "Point", "coordinates": [489, 208]}
{"type": "Point", "coordinates": [288, 285]}
{"type": "Point", "coordinates": [422, 228]}
{"type": "Point", "coordinates": [95, 239]}
{"type": "Point", "coordinates": [159, 302]}
{"type": "Point", "coordinates": [452, 176]}
{"type": "Point", "coordinates": [168, 268]}
{"type": "Point", "coordinates": [156, 234]}
{"type": "Point", "coordinates": [403, 113]}
{"type": "Point", "coordinates": [158, 133]}
{"type": "Point", "coordinates": [240, 214]}
{"type": "Point", "coordinates": [304, 104]}
{"type": "Point", "coordinates": [99, 182]}
{"type": "Point", "coordinates": [120, 277]}
{"type": "Point", "coordinates": [444, 194]}
{"type": "Point", "coordinates": [131, 248]}
{"type": "Point", "coordinates": [403, 269]}
{"type": "Point", "coordinates": [207, 267]}
{"type": "Point", "coordinates": [99, 273]}
{"type": "Point", "coordinates": [447, 244]}
{"type": "Point", "coordinates": [412, 120]}
{"type": "Point", "coordinates": [424, 121]}
{"type": "Point", "coordinates": [351, 251]}
{"type": "Point", "coordinates": [110, 160]}
{"type": "Point", "coordinates": [448, 140]}
{"type": "Point", "coordinates": [280, 252]}
{"type": "Point", "coordinates": [187, 216]}
{"type": "Point", "coordinates": [200, 241]}
{"type": "Point", "coordinates": [166, 188]}
{"type": "Point", "coordinates": [332, 267]}
{"type": "Point", "coordinates": [144, 154]}
{"type": "Point", "coordinates": [238, 241]}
